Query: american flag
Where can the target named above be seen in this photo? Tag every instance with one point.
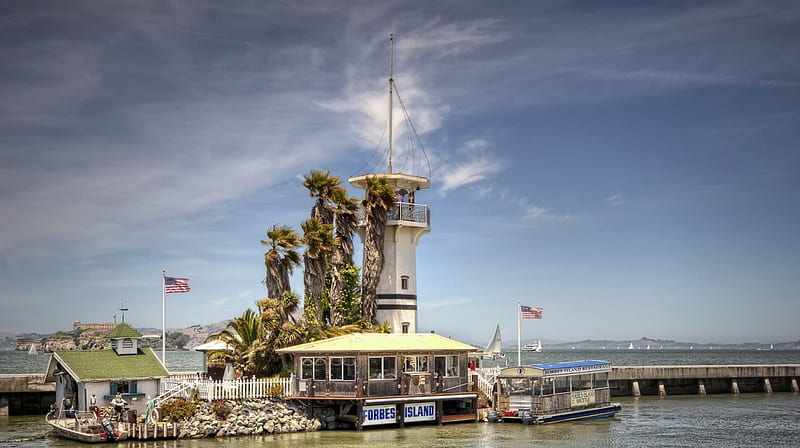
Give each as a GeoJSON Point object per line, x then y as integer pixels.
{"type": "Point", "coordinates": [529, 312]}
{"type": "Point", "coordinates": [174, 284]}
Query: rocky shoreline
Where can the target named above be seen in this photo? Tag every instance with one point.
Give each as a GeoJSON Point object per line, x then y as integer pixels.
{"type": "Point", "coordinates": [251, 417]}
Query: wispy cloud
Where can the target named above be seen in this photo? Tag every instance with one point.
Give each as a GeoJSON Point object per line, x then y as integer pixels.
{"type": "Point", "coordinates": [614, 200]}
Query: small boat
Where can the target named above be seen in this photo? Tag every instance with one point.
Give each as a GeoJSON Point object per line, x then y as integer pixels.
{"type": "Point", "coordinates": [630, 347]}
{"type": "Point", "coordinates": [494, 349]}
{"type": "Point", "coordinates": [83, 427]}
{"type": "Point", "coordinates": [32, 350]}
{"type": "Point", "coordinates": [552, 393]}
{"type": "Point", "coordinates": [648, 347]}
{"type": "Point", "coordinates": [535, 347]}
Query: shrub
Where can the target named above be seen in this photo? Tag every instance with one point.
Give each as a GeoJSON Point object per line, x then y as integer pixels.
{"type": "Point", "coordinates": [275, 391]}
{"type": "Point", "coordinates": [177, 409]}
{"type": "Point", "coordinates": [221, 409]}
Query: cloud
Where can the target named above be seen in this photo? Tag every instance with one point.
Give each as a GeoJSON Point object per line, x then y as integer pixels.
{"type": "Point", "coordinates": [466, 173]}
{"type": "Point", "coordinates": [614, 200]}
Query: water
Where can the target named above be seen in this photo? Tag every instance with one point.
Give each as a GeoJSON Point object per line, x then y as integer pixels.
{"type": "Point", "coordinates": [748, 420]}
{"type": "Point", "coordinates": [725, 421]}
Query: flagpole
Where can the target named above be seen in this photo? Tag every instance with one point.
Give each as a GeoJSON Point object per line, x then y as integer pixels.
{"type": "Point", "coordinates": [519, 335]}
{"type": "Point", "coordinates": [164, 317]}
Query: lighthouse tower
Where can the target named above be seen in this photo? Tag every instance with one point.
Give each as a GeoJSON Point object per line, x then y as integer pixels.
{"type": "Point", "coordinates": [407, 220]}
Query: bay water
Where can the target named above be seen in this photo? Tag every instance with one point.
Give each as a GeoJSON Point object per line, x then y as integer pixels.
{"type": "Point", "coordinates": [746, 420]}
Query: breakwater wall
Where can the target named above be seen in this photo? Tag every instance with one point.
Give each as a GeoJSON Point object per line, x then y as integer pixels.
{"type": "Point", "coordinates": [703, 379]}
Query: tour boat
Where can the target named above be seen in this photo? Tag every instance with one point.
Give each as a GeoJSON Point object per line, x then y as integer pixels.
{"type": "Point", "coordinates": [535, 347]}
{"type": "Point", "coordinates": [551, 393]}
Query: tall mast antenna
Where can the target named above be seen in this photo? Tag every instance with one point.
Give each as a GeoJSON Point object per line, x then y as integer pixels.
{"type": "Point", "coordinates": [391, 81]}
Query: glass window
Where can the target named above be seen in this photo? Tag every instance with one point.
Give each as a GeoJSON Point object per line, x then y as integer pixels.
{"type": "Point", "coordinates": [343, 368]}
{"type": "Point", "coordinates": [446, 365]}
{"type": "Point", "coordinates": [319, 368]}
{"type": "Point", "coordinates": [412, 364]}
{"type": "Point", "coordinates": [547, 386]}
{"type": "Point", "coordinates": [562, 385]}
{"type": "Point", "coordinates": [404, 282]}
{"type": "Point", "coordinates": [581, 382]}
{"type": "Point", "coordinates": [601, 380]}
{"type": "Point", "coordinates": [383, 368]}
{"type": "Point", "coordinates": [307, 368]}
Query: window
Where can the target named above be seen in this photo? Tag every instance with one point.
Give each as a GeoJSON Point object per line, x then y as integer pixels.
{"type": "Point", "coordinates": [384, 368]}
{"type": "Point", "coordinates": [601, 380]}
{"type": "Point", "coordinates": [581, 382]}
{"type": "Point", "coordinates": [412, 364]}
{"type": "Point", "coordinates": [127, 343]}
{"type": "Point", "coordinates": [405, 327]}
{"type": "Point", "coordinates": [343, 368]}
{"type": "Point", "coordinates": [547, 386]}
{"type": "Point", "coordinates": [446, 365]}
{"type": "Point", "coordinates": [312, 368]}
{"type": "Point", "coordinates": [562, 385]}
{"type": "Point", "coordinates": [404, 282]}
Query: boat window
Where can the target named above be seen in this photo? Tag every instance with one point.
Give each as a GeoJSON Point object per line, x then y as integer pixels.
{"type": "Point", "coordinates": [547, 386]}
{"type": "Point", "coordinates": [600, 380]}
{"type": "Point", "coordinates": [520, 386]}
{"type": "Point", "coordinates": [383, 368]}
{"type": "Point", "coordinates": [581, 382]}
{"type": "Point", "coordinates": [343, 368]}
{"type": "Point", "coordinates": [562, 385]}
{"type": "Point", "coordinates": [446, 365]}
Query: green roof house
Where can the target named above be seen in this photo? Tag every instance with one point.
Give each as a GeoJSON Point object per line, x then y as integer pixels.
{"type": "Point", "coordinates": [125, 369]}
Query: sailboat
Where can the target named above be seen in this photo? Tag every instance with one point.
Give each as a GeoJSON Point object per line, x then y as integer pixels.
{"type": "Point", "coordinates": [494, 349]}
{"type": "Point", "coordinates": [535, 347]}
{"type": "Point", "coordinates": [32, 350]}
{"type": "Point", "coordinates": [648, 347]}
{"type": "Point", "coordinates": [630, 347]}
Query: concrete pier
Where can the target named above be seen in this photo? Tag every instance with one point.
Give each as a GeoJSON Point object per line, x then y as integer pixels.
{"type": "Point", "coordinates": [25, 394]}
{"type": "Point", "coordinates": [703, 379]}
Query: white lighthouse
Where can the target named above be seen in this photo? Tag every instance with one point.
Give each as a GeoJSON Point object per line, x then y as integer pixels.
{"type": "Point", "coordinates": [407, 220]}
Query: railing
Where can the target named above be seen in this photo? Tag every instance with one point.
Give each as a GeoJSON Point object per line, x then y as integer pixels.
{"type": "Point", "coordinates": [487, 376]}
{"type": "Point", "coordinates": [406, 212]}
{"type": "Point", "coordinates": [230, 389]}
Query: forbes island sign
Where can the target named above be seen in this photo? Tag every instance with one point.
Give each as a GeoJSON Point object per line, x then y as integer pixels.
{"type": "Point", "coordinates": [420, 412]}
{"type": "Point", "coordinates": [380, 415]}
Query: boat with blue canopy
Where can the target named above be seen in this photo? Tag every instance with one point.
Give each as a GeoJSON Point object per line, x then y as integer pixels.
{"type": "Point", "coordinates": [551, 393]}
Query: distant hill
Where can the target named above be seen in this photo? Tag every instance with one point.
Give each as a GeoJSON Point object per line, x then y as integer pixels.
{"type": "Point", "coordinates": [93, 339]}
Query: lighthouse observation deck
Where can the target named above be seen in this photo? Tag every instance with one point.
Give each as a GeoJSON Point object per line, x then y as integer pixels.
{"type": "Point", "coordinates": [405, 214]}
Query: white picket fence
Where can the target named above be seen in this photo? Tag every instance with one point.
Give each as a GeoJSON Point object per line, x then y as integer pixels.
{"type": "Point", "coordinates": [229, 389]}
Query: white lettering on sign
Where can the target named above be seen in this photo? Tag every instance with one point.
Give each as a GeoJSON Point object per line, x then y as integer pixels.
{"type": "Point", "coordinates": [582, 398]}
{"type": "Point", "coordinates": [578, 369]}
{"type": "Point", "coordinates": [379, 415]}
{"type": "Point", "coordinates": [420, 412]}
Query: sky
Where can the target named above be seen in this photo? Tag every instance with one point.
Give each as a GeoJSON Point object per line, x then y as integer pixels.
{"type": "Point", "coordinates": [630, 167]}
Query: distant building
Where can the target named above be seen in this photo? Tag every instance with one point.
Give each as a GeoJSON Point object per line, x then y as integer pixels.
{"type": "Point", "coordinates": [101, 326]}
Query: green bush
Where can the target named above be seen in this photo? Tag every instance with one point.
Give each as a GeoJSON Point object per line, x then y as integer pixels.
{"type": "Point", "coordinates": [177, 409]}
{"type": "Point", "coordinates": [275, 391]}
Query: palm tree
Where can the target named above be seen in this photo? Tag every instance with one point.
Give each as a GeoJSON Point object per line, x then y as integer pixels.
{"type": "Point", "coordinates": [280, 259]}
{"type": "Point", "coordinates": [243, 335]}
{"type": "Point", "coordinates": [319, 241]}
{"type": "Point", "coordinates": [346, 220]}
{"type": "Point", "coordinates": [379, 197]}
{"type": "Point", "coordinates": [321, 185]}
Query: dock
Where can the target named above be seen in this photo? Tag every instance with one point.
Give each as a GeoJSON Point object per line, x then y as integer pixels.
{"type": "Point", "coordinates": [635, 381]}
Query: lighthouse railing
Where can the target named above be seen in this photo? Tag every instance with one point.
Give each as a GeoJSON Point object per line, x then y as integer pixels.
{"type": "Point", "coordinates": [409, 212]}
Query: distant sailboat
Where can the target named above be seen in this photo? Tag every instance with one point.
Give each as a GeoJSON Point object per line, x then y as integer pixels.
{"type": "Point", "coordinates": [494, 349]}
{"type": "Point", "coordinates": [648, 347]}
{"type": "Point", "coordinates": [630, 347]}
{"type": "Point", "coordinates": [32, 350]}
{"type": "Point", "coordinates": [691, 347]}
{"type": "Point", "coordinates": [770, 346]}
